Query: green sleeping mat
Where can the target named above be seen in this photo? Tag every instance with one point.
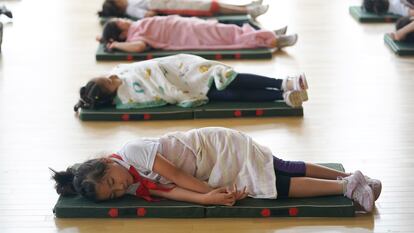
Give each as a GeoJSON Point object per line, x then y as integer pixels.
{"type": "Point", "coordinates": [362, 16]}
{"type": "Point", "coordinates": [261, 53]}
{"type": "Point", "coordinates": [400, 48]}
{"type": "Point", "coordinates": [210, 110]}
{"type": "Point", "coordinates": [132, 207]}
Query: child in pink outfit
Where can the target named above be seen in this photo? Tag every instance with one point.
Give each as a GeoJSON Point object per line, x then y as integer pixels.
{"type": "Point", "coordinates": [180, 33]}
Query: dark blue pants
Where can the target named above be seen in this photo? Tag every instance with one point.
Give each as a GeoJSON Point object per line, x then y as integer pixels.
{"type": "Point", "coordinates": [249, 87]}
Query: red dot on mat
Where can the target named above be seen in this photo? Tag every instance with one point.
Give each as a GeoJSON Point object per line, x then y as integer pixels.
{"type": "Point", "coordinates": [141, 212]}
{"type": "Point", "coordinates": [259, 112]}
{"type": "Point", "coordinates": [147, 116]}
{"type": "Point", "coordinates": [237, 113]}
{"type": "Point", "coordinates": [265, 212]}
{"type": "Point", "coordinates": [237, 56]}
{"type": "Point", "coordinates": [125, 117]}
{"type": "Point", "coordinates": [293, 211]}
{"type": "Point", "coordinates": [129, 57]}
{"type": "Point", "coordinates": [113, 212]}
{"type": "Point", "coordinates": [149, 56]}
{"type": "Point", "coordinates": [218, 57]}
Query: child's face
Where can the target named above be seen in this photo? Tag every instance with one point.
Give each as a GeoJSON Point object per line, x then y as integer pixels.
{"type": "Point", "coordinates": [115, 182]}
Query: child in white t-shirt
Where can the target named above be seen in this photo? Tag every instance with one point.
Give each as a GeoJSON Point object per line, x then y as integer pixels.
{"type": "Point", "coordinates": [147, 8]}
{"type": "Point", "coordinates": [206, 166]}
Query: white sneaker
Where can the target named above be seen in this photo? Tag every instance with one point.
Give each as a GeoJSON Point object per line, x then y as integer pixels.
{"type": "Point", "coordinates": [286, 40]}
{"type": "Point", "coordinates": [257, 10]}
{"type": "Point", "coordinates": [281, 31]}
{"type": "Point", "coordinates": [358, 190]}
{"type": "Point", "coordinates": [293, 98]}
{"type": "Point", "coordinates": [298, 83]}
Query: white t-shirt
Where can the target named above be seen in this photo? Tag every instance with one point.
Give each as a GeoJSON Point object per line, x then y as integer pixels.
{"type": "Point", "coordinates": [398, 8]}
{"type": "Point", "coordinates": [140, 153]}
{"type": "Point", "coordinates": [137, 8]}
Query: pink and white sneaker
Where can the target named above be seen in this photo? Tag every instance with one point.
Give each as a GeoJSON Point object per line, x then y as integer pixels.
{"type": "Point", "coordinates": [375, 185]}
{"type": "Point", "coordinates": [358, 190]}
{"type": "Point", "coordinates": [297, 83]}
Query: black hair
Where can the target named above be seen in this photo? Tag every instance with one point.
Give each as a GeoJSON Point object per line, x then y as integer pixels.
{"type": "Point", "coordinates": [111, 32]}
{"type": "Point", "coordinates": [93, 96]}
{"type": "Point", "coordinates": [81, 180]}
{"type": "Point", "coordinates": [402, 22]}
{"type": "Point", "coordinates": [376, 6]}
{"type": "Point", "coordinates": [110, 9]}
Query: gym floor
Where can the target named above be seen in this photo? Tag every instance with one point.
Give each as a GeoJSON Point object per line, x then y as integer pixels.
{"type": "Point", "coordinates": [360, 113]}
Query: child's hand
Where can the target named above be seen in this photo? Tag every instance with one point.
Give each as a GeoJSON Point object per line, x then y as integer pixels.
{"type": "Point", "coordinates": [238, 194]}
{"type": "Point", "coordinates": [112, 45]}
{"type": "Point", "coordinates": [220, 196]}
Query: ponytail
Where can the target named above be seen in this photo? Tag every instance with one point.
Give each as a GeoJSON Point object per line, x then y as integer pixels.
{"type": "Point", "coordinates": [93, 96]}
{"type": "Point", "coordinates": [80, 179]}
{"type": "Point", "coordinates": [64, 182]}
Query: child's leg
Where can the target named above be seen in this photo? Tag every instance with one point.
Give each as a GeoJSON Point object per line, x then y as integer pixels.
{"type": "Point", "coordinates": [312, 187]}
{"type": "Point", "coordinates": [254, 95]}
{"type": "Point", "coordinates": [322, 172]}
{"type": "Point", "coordinates": [254, 81]}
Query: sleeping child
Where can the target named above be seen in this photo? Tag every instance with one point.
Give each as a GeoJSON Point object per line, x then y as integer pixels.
{"type": "Point", "coordinates": [187, 81]}
{"type": "Point", "coordinates": [147, 8]}
{"type": "Point", "coordinates": [205, 166]}
{"type": "Point", "coordinates": [183, 33]}
{"type": "Point", "coordinates": [398, 7]}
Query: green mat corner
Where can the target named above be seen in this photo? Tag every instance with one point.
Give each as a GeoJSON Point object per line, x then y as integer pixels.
{"type": "Point", "coordinates": [399, 48]}
{"type": "Point", "coordinates": [359, 14]}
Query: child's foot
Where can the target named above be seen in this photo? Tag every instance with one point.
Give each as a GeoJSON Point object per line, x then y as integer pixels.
{"type": "Point", "coordinates": [4, 10]}
{"type": "Point", "coordinates": [285, 41]}
{"type": "Point", "coordinates": [256, 10]}
{"type": "Point", "coordinates": [358, 190]}
{"type": "Point", "coordinates": [375, 185]}
{"type": "Point", "coordinates": [281, 31]}
{"type": "Point", "coordinates": [293, 98]}
{"type": "Point", "coordinates": [296, 83]}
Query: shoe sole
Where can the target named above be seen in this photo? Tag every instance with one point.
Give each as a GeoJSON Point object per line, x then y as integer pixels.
{"type": "Point", "coordinates": [295, 99]}
{"type": "Point", "coordinates": [303, 95]}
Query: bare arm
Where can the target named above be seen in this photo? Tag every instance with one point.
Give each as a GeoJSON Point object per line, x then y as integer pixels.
{"type": "Point", "coordinates": [218, 196]}
{"type": "Point", "coordinates": [135, 46]}
{"type": "Point", "coordinates": [401, 33]}
{"type": "Point", "coordinates": [411, 12]}
{"type": "Point", "coordinates": [166, 169]}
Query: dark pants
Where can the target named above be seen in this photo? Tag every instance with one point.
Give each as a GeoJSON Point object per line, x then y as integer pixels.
{"type": "Point", "coordinates": [284, 171]}
{"type": "Point", "coordinates": [249, 87]}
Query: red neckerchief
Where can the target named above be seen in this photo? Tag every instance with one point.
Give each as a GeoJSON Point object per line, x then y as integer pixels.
{"type": "Point", "coordinates": [146, 184]}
